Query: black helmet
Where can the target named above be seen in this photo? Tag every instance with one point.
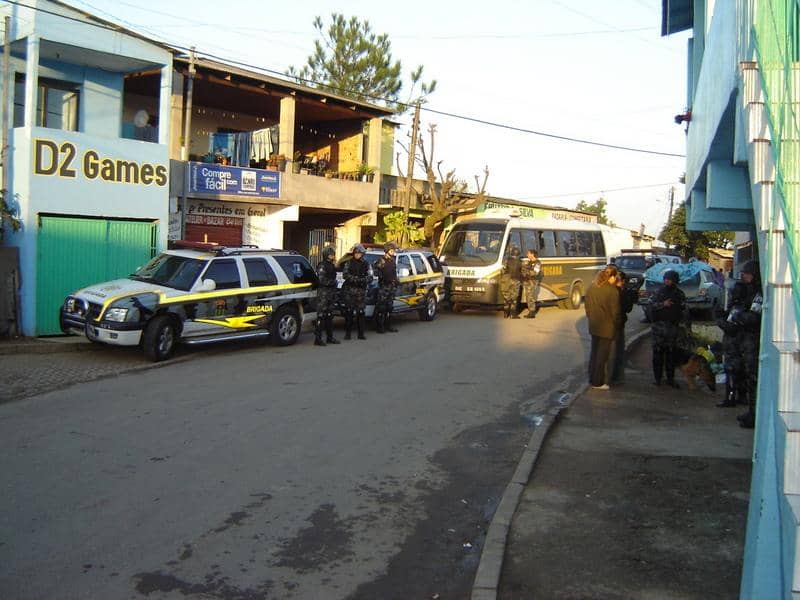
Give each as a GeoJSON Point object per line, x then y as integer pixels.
{"type": "Point", "coordinates": [389, 246]}
{"type": "Point", "coordinates": [672, 275]}
{"type": "Point", "coordinates": [751, 267]}
{"type": "Point", "coordinates": [359, 248]}
{"type": "Point", "coordinates": [738, 294]}
{"type": "Point", "coordinates": [327, 252]}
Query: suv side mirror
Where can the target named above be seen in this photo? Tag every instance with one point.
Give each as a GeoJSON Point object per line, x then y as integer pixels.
{"type": "Point", "coordinates": [403, 272]}
{"type": "Point", "coordinates": [207, 285]}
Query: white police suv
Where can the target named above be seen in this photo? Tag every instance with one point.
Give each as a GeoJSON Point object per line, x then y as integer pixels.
{"type": "Point", "coordinates": [197, 294]}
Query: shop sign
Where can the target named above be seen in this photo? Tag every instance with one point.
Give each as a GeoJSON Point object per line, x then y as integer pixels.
{"type": "Point", "coordinates": [65, 159]}
{"type": "Point", "coordinates": [221, 180]}
{"type": "Point", "coordinates": [532, 212]}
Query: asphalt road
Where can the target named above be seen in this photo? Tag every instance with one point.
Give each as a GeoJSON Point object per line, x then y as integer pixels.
{"type": "Point", "coordinates": [365, 470]}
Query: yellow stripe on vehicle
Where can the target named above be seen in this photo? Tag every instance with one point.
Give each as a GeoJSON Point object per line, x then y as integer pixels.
{"type": "Point", "coordinates": [164, 300]}
{"type": "Point", "coordinates": [233, 322]}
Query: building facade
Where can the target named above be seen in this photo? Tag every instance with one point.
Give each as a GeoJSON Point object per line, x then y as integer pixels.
{"type": "Point", "coordinates": [742, 174]}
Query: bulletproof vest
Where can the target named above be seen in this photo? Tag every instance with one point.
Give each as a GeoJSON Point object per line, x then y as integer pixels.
{"type": "Point", "coordinates": [326, 272]}
{"type": "Point", "coordinates": [356, 272]}
{"type": "Point", "coordinates": [386, 270]}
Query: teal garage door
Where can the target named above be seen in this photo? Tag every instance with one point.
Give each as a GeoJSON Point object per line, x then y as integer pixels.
{"type": "Point", "coordinates": [75, 252]}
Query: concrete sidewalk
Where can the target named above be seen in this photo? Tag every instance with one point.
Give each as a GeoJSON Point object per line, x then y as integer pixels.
{"type": "Point", "coordinates": [637, 492]}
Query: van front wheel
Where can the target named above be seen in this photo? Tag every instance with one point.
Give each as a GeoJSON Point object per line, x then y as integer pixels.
{"type": "Point", "coordinates": [575, 298]}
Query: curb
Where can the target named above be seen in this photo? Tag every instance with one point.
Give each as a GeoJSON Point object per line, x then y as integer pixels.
{"type": "Point", "coordinates": [45, 346]}
{"type": "Point", "coordinates": [490, 566]}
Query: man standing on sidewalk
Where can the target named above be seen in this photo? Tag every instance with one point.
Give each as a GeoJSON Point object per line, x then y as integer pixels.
{"type": "Point", "coordinates": [748, 338]}
{"type": "Point", "coordinates": [603, 311]}
{"type": "Point", "coordinates": [666, 308]}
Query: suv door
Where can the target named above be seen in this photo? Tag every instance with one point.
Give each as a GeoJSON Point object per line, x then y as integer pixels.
{"type": "Point", "coordinates": [407, 288]}
{"type": "Point", "coordinates": [213, 311]}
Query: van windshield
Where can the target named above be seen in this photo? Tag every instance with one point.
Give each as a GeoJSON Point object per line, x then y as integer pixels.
{"type": "Point", "coordinates": [474, 244]}
{"type": "Point", "coordinates": [178, 272]}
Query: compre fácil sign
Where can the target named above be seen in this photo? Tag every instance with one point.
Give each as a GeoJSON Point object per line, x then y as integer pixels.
{"type": "Point", "coordinates": [221, 180]}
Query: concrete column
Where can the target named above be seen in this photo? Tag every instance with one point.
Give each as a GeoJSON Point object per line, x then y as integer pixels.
{"type": "Point", "coordinates": [286, 144]}
{"type": "Point", "coordinates": [176, 117]}
{"type": "Point", "coordinates": [31, 79]}
{"type": "Point", "coordinates": [374, 143]}
{"type": "Point", "coordinates": [165, 106]}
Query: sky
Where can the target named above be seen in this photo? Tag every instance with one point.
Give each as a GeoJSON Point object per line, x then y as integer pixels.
{"type": "Point", "coordinates": [598, 71]}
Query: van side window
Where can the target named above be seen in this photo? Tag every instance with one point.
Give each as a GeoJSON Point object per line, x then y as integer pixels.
{"type": "Point", "coordinates": [585, 243]}
{"type": "Point", "coordinates": [514, 239]}
{"type": "Point", "coordinates": [547, 244]}
{"type": "Point", "coordinates": [529, 241]}
{"type": "Point", "coordinates": [599, 244]}
{"type": "Point", "coordinates": [225, 274]}
{"type": "Point", "coordinates": [568, 243]}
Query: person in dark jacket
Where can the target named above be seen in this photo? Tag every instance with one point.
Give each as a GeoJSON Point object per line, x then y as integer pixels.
{"type": "Point", "coordinates": [728, 322]}
{"type": "Point", "coordinates": [603, 311]}
{"type": "Point", "coordinates": [511, 282]}
{"type": "Point", "coordinates": [326, 298]}
{"type": "Point", "coordinates": [628, 295]}
{"type": "Point", "coordinates": [386, 271]}
{"type": "Point", "coordinates": [357, 274]}
{"type": "Point", "coordinates": [667, 311]}
{"type": "Point", "coordinates": [749, 320]}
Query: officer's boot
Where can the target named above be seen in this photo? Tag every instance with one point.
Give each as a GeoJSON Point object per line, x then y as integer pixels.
{"type": "Point", "coordinates": [730, 393]}
{"type": "Point", "coordinates": [329, 331]}
{"type": "Point", "coordinates": [388, 323]}
{"type": "Point", "coordinates": [506, 311]}
{"type": "Point", "coordinates": [360, 326]}
{"type": "Point", "coordinates": [379, 322]}
{"type": "Point", "coordinates": [348, 325]}
{"type": "Point", "coordinates": [531, 311]}
{"type": "Point", "coordinates": [318, 341]}
{"type": "Point", "coordinates": [514, 312]}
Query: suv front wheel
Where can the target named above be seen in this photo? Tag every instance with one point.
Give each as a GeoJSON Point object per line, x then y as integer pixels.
{"type": "Point", "coordinates": [158, 340]}
{"type": "Point", "coordinates": [285, 326]}
{"type": "Point", "coordinates": [429, 308]}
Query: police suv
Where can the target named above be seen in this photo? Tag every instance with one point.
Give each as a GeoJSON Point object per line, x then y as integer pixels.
{"type": "Point", "coordinates": [197, 294]}
{"type": "Point", "coordinates": [421, 282]}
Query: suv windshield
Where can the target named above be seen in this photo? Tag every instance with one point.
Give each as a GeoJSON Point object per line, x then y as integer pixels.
{"type": "Point", "coordinates": [178, 272]}
{"type": "Point", "coordinates": [477, 243]}
{"type": "Point", "coordinates": [631, 263]}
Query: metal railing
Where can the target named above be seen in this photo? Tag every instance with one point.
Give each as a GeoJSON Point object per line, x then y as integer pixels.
{"type": "Point", "coordinates": [776, 31]}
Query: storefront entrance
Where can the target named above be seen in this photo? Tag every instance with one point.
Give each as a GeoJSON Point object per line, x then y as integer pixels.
{"type": "Point", "coordinates": [75, 252]}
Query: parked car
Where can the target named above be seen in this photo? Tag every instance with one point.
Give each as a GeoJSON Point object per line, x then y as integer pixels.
{"type": "Point", "coordinates": [697, 281]}
{"type": "Point", "coordinates": [198, 294]}
{"type": "Point", "coordinates": [421, 282]}
{"type": "Point", "coordinates": [634, 263]}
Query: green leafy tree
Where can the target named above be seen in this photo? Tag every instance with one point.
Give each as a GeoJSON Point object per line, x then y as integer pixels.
{"type": "Point", "coordinates": [349, 59]}
{"type": "Point", "coordinates": [692, 243]}
{"type": "Point", "coordinates": [398, 227]}
{"type": "Point", "coordinates": [596, 208]}
{"type": "Point", "coordinates": [8, 216]}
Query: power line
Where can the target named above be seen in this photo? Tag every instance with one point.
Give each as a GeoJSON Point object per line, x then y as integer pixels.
{"type": "Point", "coordinates": [603, 191]}
{"type": "Point", "coordinates": [380, 98]}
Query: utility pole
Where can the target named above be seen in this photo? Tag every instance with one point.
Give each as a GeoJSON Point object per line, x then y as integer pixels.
{"type": "Point", "coordinates": [412, 154]}
{"type": "Point", "coordinates": [5, 99]}
{"type": "Point", "coordinates": [187, 136]}
{"type": "Point", "coordinates": [671, 203]}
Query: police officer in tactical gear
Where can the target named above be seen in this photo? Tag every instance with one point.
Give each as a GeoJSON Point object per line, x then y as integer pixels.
{"type": "Point", "coordinates": [386, 271]}
{"type": "Point", "coordinates": [750, 321]}
{"type": "Point", "coordinates": [357, 274]}
{"type": "Point", "coordinates": [667, 307]}
{"type": "Point", "coordinates": [532, 275]}
{"type": "Point", "coordinates": [511, 282]}
{"type": "Point", "coordinates": [728, 322]}
{"type": "Point", "coordinates": [326, 298]}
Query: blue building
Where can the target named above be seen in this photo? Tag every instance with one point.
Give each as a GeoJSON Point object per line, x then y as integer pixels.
{"type": "Point", "coordinates": [742, 174]}
{"type": "Point", "coordinates": [90, 201]}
